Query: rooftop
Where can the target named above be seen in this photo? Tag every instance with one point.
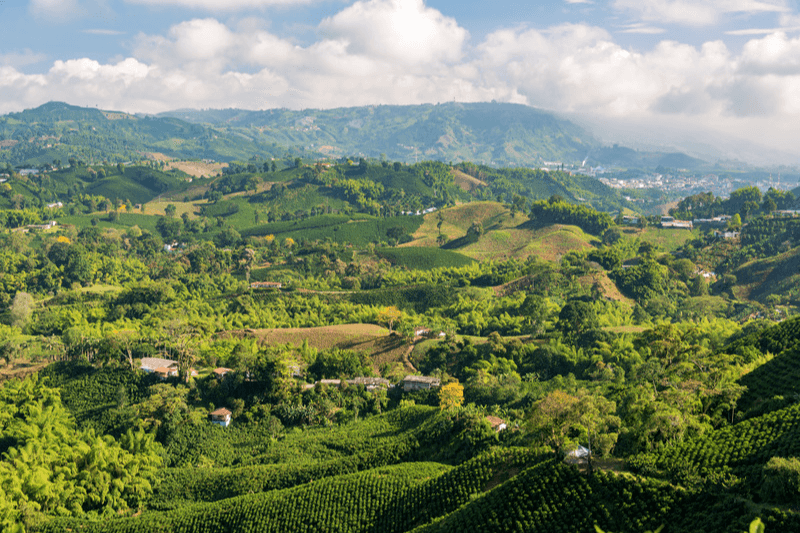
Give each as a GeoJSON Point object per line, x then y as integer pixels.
{"type": "Point", "coordinates": [153, 363]}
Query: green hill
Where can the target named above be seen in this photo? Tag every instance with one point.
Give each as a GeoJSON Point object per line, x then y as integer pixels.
{"type": "Point", "coordinates": [59, 131]}
{"type": "Point", "coordinates": [778, 274]}
{"type": "Point", "coordinates": [490, 133]}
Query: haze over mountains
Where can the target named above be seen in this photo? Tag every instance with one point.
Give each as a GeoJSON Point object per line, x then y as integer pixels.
{"type": "Point", "coordinates": [496, 134]}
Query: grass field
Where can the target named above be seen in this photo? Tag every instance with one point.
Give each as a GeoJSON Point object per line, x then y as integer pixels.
{"type": "Point", "coordinates": [775, 275]}
{"type": "Point", "coordinates": [467, 182]}
{"type": "Point", "coordinates": [667, 240]}
{"type": "Point", "coordinates": [126, 220]}
{"type": "Point", "coordinates": [377, 342]}
{"type": "Point", "coordinates": [418, 258]}
{"type": "Point", "coordinates": [358, 230]}
{"type": "Point", "coordinates": [197, 168]}
{"type": "Point", "coordinates": [157, 207]}
{"type": "Point", "coordinates": [504, 235]}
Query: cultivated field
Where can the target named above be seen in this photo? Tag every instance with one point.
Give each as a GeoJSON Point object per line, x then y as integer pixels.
{"type": "Point", "coordinates": [382, 346]}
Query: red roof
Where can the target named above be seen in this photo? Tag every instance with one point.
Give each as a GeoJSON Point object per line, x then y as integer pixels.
{"type": "Point", "coordinates": [495, 421]}
{"type": "Point", "coordinates": [221, 412]}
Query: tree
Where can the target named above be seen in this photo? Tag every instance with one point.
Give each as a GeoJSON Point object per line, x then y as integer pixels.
{"type": "Point", "coordinates": [21, 309]}
{"type": "Point", "coordinates": [575, 318]}
{"type": "Point", "coordinates": [611, 236]}
{"type": "Point", "coordinates": [389, 315]}
{"type": "Point", "coordinates": [475, 231]}
{"type": "Point", "coordinates": [169, 228]}
{"type": "Point", "coordinates": [735, 222]}
{"type": "Point", "coordinates": [551, 419]}
{"type": "Point", "coordinates": [78, 267]}
{"type": "Point", "coordinates": [769, 205]}
{"type": "Point", "coordinates": [170, 210]}
{"type": "Point", "coordinates": [451, 395]}
{"type": "Point", "coordinates": [781, 480]}
{"type": "Point", "coordinates": [698, 286]}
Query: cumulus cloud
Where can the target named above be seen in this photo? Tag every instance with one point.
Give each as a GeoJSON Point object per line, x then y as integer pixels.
{"type": "Point", "coordinates": [399, 30]}
{"type": "Point", "coordinates": [696, 12]}
{"type": "Point", "coordinates": [21, 59]}
{"type": "Point", "coordinates": [403, 52]}
{"type": "Point", "coordinates": [54, 9]}
{"type": "Point", "coordinates": [219, 5]}
{"type": "Point", "coordinates": [580, 68]}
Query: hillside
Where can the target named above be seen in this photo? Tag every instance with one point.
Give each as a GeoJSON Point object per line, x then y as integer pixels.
{"type": "Point", "coordinates": [779, 274]}
{"type": "Point", "coordinates": [494, 134]}
{"type": "Point", "coordinates": [60, 131]}
{"type": "Point", "coordinates": [505, 236]}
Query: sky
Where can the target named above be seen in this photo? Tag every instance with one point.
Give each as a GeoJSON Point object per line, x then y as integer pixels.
{"type": "Point", "coordinates": [725, 66]}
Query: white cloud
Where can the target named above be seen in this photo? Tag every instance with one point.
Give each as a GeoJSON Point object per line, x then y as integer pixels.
{"type": "Point", "coordinates": [696, 12]}
{"type": "Point", "coordinates": [55, 9]}
{"type": "Point", "coordinates": [400, 30]}
{"type": "Point", "coordinates": [643, 29]}
{"type": "Point", "coordinates": [21, 59]}
{"type": "Point", "coordinates": [403, 52]}
{"type": "Point", "coordinates": [98, 31]}
{"type": "Point", "coordinates": [219, 5]}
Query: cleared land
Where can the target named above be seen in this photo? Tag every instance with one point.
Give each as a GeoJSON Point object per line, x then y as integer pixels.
{"type": "Point", "coordinates": [776, 275]}
{"type": "Point", "coordinates": [467, 182]}
{"type": "Point", "coordinates": [197, 168]}
{"type": "Point", "coordinates": [667, 240]}
{"type": "Point", "coordinates": [504, 237]}
{"type": "Point", "coordinates": [382, 346]}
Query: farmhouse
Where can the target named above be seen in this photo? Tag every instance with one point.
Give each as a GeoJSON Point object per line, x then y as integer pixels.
{"type": "Point", "coordinates": [370, 383]}
{"type": "Point", "coordinates": [221, 417]}
{"type": "Point", "coordinates": [155, 364]}
{"type": "Point", "coordinates": [221, 372]}
{"type": "Point", "coordinates": [265, 285]}
{"type": "Point", "coordinates": [498, 424]}
{"type": "Point", "coordinates": [412, 383]}
{"type": "Point", "coordinates": [670, 222]}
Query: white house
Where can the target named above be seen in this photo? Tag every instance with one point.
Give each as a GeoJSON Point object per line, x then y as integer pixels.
{"type": "Point", "coordinates": [221, 417]}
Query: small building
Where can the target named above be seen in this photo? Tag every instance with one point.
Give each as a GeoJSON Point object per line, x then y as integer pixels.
{"type": "Point", "coordinates": [221, 372]}
{"type": "Point", "coordinates": [727, 234]}
{"type": "Point", "coordinates": [412, 383]}
{"type": "Point", "coordinates": [369, 383]}
{"type": "Point", "coordinates": [330, 382]}
{"type": "Point", "coordinates": [718, 221]}
{"type": "Point", "coordinates": [670, 222]}
{"type": "Point", "coordinates": [165, 372]}
{"type": "Point", "coordinates": [498, 424]}
{"type": "Point", "coordinates": [266, 285]}
{"type": "Point", "coordinates": [221, 417]}
{"type": "Point", "coordinates": [581, 452]}
{"type": "Point", "coordinates": [630, 220]}
{"type": "Point", "coordinates": [152, 364]}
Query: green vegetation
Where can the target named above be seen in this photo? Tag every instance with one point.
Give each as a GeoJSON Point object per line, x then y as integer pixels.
{"type": "Point", "coordinates": [541, 325]}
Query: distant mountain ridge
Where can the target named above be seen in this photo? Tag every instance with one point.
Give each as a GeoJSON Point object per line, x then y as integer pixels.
{"type": "Point", "coordinates": [489, 133]}
{"type": "Point", "coordinates": [494, 134]}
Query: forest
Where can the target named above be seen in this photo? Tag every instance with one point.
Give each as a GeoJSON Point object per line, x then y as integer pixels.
{"type": "Point", "coordinates": [367, 345]}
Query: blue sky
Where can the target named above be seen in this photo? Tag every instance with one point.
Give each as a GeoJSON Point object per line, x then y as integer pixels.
{"type": "Point", "coordinates": [731, 66]}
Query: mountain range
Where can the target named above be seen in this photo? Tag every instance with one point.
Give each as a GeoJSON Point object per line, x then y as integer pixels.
{"type": "Point", "coordinates": [495, 134]}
